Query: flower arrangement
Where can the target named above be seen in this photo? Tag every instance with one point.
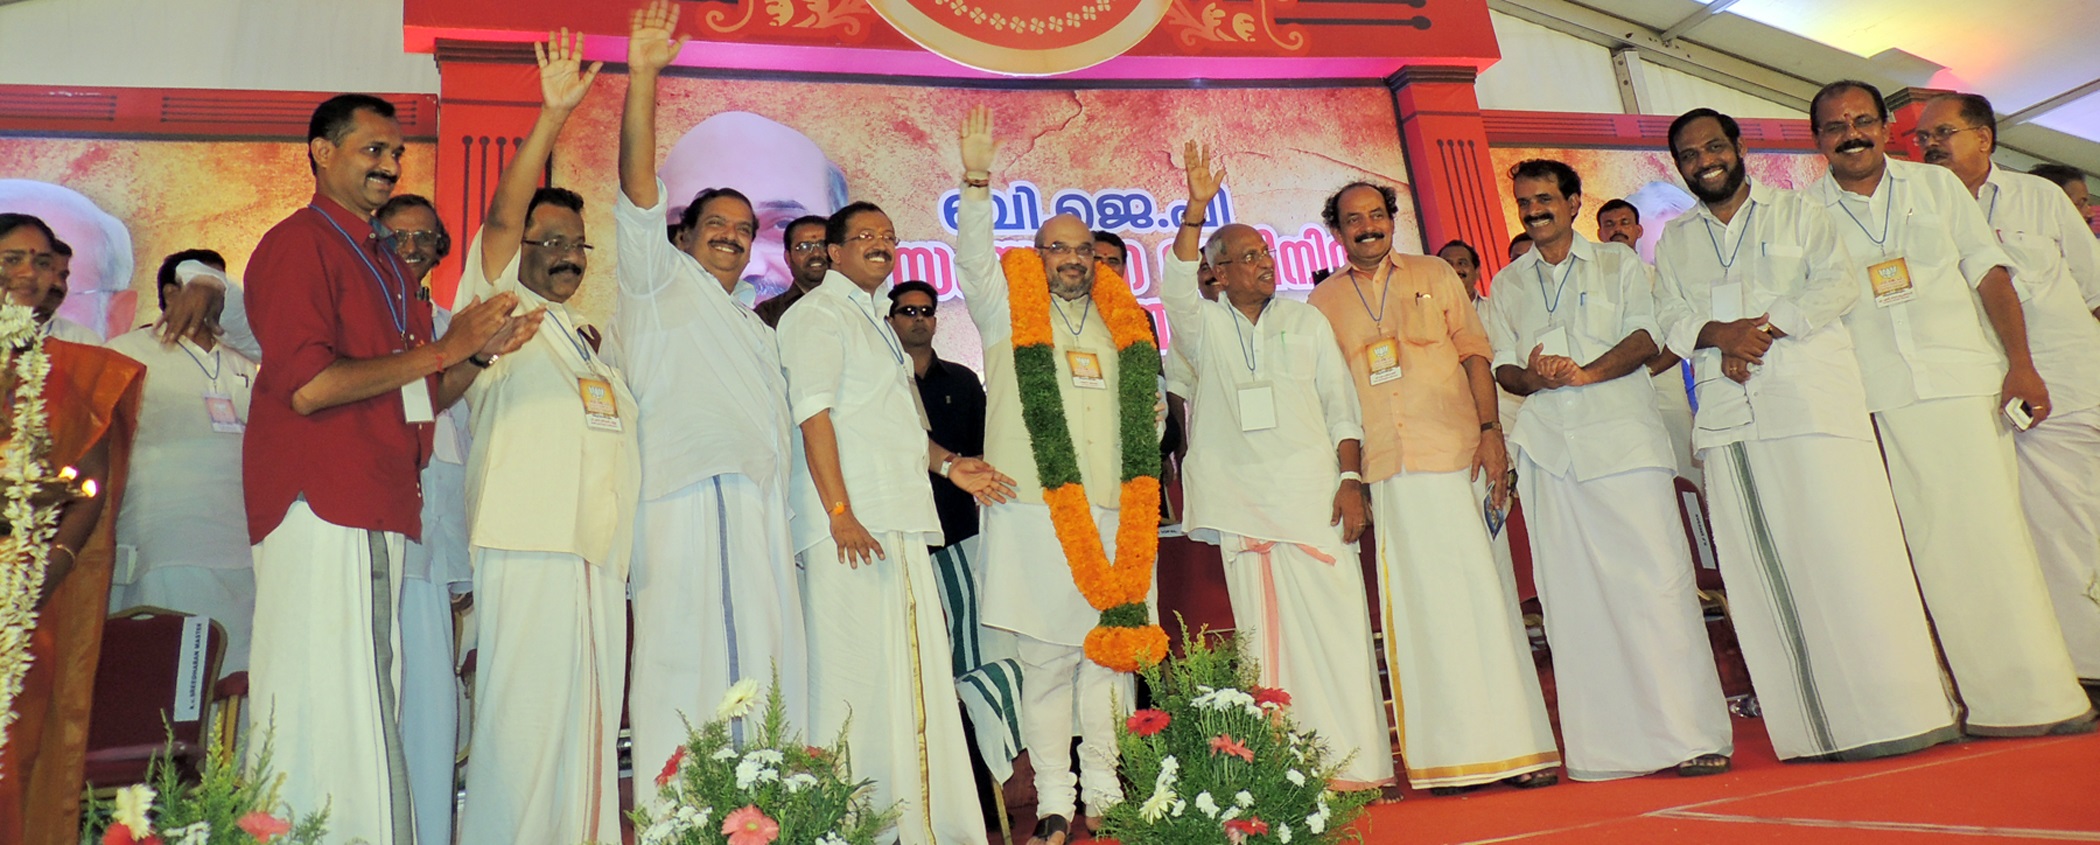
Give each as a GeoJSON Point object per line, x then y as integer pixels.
{"type": "Point", "coordinates": [25, 476]}
{"type": "Point", "coordinates": [226, 806]}
{"type": "Point", "coordinates": [1217, 760]}
{"type": "Point", "coordinates": [718, 791]}
{"type": "Point", "coordinates": [1125, 637]}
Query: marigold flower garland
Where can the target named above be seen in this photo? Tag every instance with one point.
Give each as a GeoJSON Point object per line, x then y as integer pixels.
{"type": "Point", "coordinates": [23, 580]}
{"type": "Point", "coordinates": [1125, 638]}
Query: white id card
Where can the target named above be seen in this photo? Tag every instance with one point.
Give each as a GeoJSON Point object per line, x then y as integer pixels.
{"type": "Point", "coordinates": [1257, 407]}
{"type": "Point", "coordinates": [415, 402]}
{"type": "Point", "coordinates": [1555, 342]}
{"type": "Point", "coordinates": [1728, 302]}
{"type": "Point", "coordinates": [219, 407]}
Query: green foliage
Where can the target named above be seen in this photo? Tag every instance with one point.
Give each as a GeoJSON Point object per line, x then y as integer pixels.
{"type": "Point", "coordinates": [1208, 697]}
{"type": "Point", "coordinates": [224, 794]}
{"type": "Point", "coordinates": [810, 792]}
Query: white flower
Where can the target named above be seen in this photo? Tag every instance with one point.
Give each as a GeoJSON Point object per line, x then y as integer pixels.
{"type": "Point", "coordinates": [724, 753]}
{"type": "Point", "coordinates": [1317, 822]}
{"type": "Point", "coordinates": [135, 809]}
{"type": "Point", "coordinates": [1283, 832]}
{"type": "Point", "coordinates": [1296, 777]}
{"type": "Point", "coordinates": [17, 326]}
{"type": "Point", "coordinates": [694, 816]}
{"type": "Point", "coordinates": [659, 832]}
{"type": "Point", "coordinates": [1230, 814]}
{"type": "Point", "coordinates": [1243, 798]}
{"type": "Point", "coordinates": [769, 756]}
{"type": "Point", "coordinates": [1207, 804]}
{"type": "Point", "coordinates": [1179, 805]}
{"type": "Point", "coordinates": [799, 781]}
{"type": "Point", "coordinates": [737, 701]}
{"type": "Point", "coordinates": [751, 772]}
{"type": "Point", "coordinates": [831, 839]}
{"type": "Point", "coordinates": [1158, 805]}
{"type": "Point", "coordinates": [196, 834]}
{"type": "Point", "coordinates": [1225, 699]}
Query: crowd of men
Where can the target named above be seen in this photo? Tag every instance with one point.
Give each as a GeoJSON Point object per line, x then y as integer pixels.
{"type": "Point", "coordinates": [1896, 376]}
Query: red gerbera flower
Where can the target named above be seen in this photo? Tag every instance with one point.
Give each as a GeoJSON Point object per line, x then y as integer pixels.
{"type": "Point", "coordinates": [1271, 697]}
{"type": "Point", "coordinates": [1147, 722]}
{"type": "Point", "coordinates": [671, 767]}
{"type": "Point", "coordinates": [1239, 829]}
{"type": "Point", "coordinates": [1225, 744]}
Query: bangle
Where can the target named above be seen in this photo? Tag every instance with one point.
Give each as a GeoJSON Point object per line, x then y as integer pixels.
{"type": "Point", "coordinates": [1492, 424]}
{"type": "Point", "coordinates": [976, 181]}
{"type": "Point", "coordinates": [70, 557]}
{"type": "Point", "coordinates": [1353, 475]}
{"type": "Point", "coordinates": [838, 508]}
{"type": "Point", "coordinates": [477, 360]}
{"type": "Point", "coordinates": [1192, 224]}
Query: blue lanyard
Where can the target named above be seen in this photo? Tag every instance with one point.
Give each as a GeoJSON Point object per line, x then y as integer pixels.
{"type": "Point", "coordinates": [217, 365]}
{"type": "Point", "coordinates": [582, 349]}
{"type": "Point", "coordinates": [396, 304]}
{"type": "Point", "coordinates": [1385, 292]}
{"type": "Point", "coordinates": [1554, 306]}
{"type": "Point", "coordinates": [1748, 218]}
{"type": "Point", "coordinates": [1085, 312]}
{"type": "Point", "coordinates": [896, 348]}
{"type": "Point", "coordinates": [1891, 215]}
{"type": "Point", "coordinates": [1248, 350]}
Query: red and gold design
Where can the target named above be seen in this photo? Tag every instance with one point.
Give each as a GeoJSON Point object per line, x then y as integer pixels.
{"type": "Point", "coordinates": [1025, 37]}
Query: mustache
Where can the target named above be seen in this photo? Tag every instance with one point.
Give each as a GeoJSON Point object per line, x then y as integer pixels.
{"type": "Point", "coordinates": [565, 267]}
{"type": "Point", "coordinates": [1537, 218]}
{"type": "Point", "coordinates": [383, 177]}
{"type": "Point", "coordinates": [733, 245]}
{"type": "Point", "coordinates": [1073, 267]}
{"type": "Point", "coordinates": [874, 254]}
{"type": "Point", "coordinates": [1937, 155]}
{"type": "Point", "coordinates": [1855, 144]}
{"type": "Point", "coordinates": [1367, 237]}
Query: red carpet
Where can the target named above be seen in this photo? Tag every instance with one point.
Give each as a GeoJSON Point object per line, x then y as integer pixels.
{"type": "Point", "coordinates": [2006, 790]}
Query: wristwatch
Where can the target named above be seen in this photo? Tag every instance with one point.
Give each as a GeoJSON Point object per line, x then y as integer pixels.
{"type": "Point", "coordinates": [1494, 424]}
{"type": "Point", "coordinates": [947, 464]}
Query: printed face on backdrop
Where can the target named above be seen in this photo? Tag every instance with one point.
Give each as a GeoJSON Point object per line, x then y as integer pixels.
{"type": "Point", "coordinates": [102, 250]}
{"type": "Point", "coordinates": [783, 172]}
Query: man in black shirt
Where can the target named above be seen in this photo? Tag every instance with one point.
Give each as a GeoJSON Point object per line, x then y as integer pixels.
{"type": "Point", "coordinates": [953, 397]}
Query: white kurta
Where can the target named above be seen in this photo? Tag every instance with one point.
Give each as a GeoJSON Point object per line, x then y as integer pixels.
{"type": "Point", "coordinates": [1933, 373]}
{"type": "Point", "coordinates": [1638, 689]}
{"type": "Point", "coordinates": [182, 535]}
{"type": "Point", "coordinates": [67, 330]}
{"type": "Point", "coordinates": [1819, 583]}
{"type": "Point", "coordinates": [1027, 579]}
{"type": "Point", "coordinates": [1466, 695]}
{"type": "Point", "coordinates": [712, 527]}
{"type": "Point", "coordinates": [2056, 269]}
{"type": "Point", "coordinates": [878, 645]}
{"type": "Point", "coordinates": [1262, 475]}
{"type": "Point", "coordinates": [551, 498]}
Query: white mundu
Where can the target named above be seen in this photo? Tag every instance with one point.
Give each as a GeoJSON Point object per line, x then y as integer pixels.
{"type": "Point", "coordinates": [716, 598]}
{"type": "Point", "coordinates": [1028, 585]}
{"type": "Point", "coordinates": [1638, 689]}
{"type": "Point", "coordinates": [432, 569]}
{"type": "Point", "coordinates": [553, 479]}
{"type": "Point", "coordinates": [182, 535]}
{"type": "Point", "coordinates": [1933, 373]}
{"type": "Point", "coordinates": [1265, 496]}
{"type": "Point", "coordinates": [878, 646]}
{"type": "Point", "coordinates": [2056, 270]}
{"type": "Point", "coordinates": [1819, 586]}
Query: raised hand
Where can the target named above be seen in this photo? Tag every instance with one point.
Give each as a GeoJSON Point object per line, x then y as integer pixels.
{"type": "Point", "coordinates": [562, 84]}
{"type": "Point", "coordinates": [978, 145]}
{"type": "Point", "coordinates": [1203, 181]}
{"type": "Point", "coordinates": [650, 44]}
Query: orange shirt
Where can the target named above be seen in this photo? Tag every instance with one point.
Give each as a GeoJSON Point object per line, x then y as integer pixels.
{"type": "Point", "coordinates": [1425, 420]}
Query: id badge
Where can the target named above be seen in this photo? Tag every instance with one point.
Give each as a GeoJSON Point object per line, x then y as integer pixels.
{"type": "Point", "coordinates": [1257, 406]}
{"type": "Point", "coordinates": [219, 407]}
{"type": "Point", "coordinates": [1086, 370]}
{"type": "Point", "coordinates": [415, 402]}
{"type": "Point", "coordinates": [1891, 282]}
{"type": "Point", "coordinates": [1383, 360]}
{"type": "Point", "coordinates": [601, 412]}
{"type": "Point", "coordinates": [1555, 342]}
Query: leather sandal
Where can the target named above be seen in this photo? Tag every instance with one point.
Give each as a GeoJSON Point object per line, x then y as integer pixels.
{"type": "Point", "coordinates": [1704, 764]}
{"type": "Point", "coordinates": [1051, 830]}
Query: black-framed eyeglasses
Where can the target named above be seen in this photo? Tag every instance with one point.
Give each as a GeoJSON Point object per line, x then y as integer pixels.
{"type": "Point", "coordinates": [913, 311]}
{"type": "Point", "coordinates": [562, 246]}
{"type": "Point", "coordinates": [1863, 123]}
{"type": "Point", "coordinates": [1923, 137]}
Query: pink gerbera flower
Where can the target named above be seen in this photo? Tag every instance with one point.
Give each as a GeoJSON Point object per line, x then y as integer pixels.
{"type": "Point", "coordinates": [263, 826]}
{"type": "Point", "coordinates": [749, 826]}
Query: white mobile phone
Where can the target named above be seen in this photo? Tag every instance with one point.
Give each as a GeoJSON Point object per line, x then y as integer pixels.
{"type": "Point", "coordinates": [2016, 413]}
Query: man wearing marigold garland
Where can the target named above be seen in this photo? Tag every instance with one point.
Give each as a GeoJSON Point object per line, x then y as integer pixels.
{"type": "Point", "coordinates": [1274, 480]}
{"type": "Point", "coordinates": [864, 521]}
{"type": "Point", "coordinates": [1047, 572]}
{"type": "Point", "coordinates": [1465, 688]}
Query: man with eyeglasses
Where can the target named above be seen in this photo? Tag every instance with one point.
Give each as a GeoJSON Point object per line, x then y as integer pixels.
{"type": "Point", "coordinates": [1573, 326]}
{"type": "Point", "coordinates": [1275, 482]}
{"type": "Point", "coordinates": [864, 523]}
{"type": "Point", "coordinates": [1751, 286]}
{"type": "Point", "coordinates": [1028, 582]}
{"type": "Point", "coordinates": [1943, 348]}
{"type": "Point", "coordinates": [1465, 690]}
{"type": "Point", "coordinates": [2056, 270]}
{"type": "Point", "coordinates": [553, 480]}
{"type": "Point", "coordinates": [712, 535]}
{"type": "Point", "coordinates": [808, 260]}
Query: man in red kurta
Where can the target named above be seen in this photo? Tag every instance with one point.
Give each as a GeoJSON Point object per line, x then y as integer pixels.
{"type": "Point", "coordinates": [339, 428]}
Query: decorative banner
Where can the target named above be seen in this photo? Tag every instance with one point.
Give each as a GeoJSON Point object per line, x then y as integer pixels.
{"type": "Point", "coordinates": [1025, 37]}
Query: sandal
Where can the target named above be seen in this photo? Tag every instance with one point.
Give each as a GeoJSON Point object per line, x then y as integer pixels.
{"type": "Point", "coordinates": [1704, 764]}
{"type": "Point", "coordinates": [1532, 780]}
{"type": "Point", "coordinates": [1051, 826]}
{"type": "Point", "coordinates": [1448, 791]}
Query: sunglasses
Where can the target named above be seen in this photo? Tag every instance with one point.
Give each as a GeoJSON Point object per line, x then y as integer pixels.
{"type": "Point", "coordinates": [912, 311]}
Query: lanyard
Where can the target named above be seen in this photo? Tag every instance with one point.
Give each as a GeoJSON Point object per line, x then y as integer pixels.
{"type": "Point", "coordinates": [396, 303]}
{"type": "Point", "coordinates": [1085, 312]}
{"type": "Point", "coordinates": [216, 364]}
{"type": "Point", "coordinates": [1748, 218]}
{"type": "Point", "coordinates": [575, 339]}
{"type": "Point", "coordinates": [1248, 350]}
{"type": "Point", "coordinates": [1385, 292]}
{"type": "Point", "coordinates": [1891, 215]}
{"type": "Point", "coordinates": [895, 347]}
{"type": "Point", "coordinates": [1554, 306]}
{"type": "Point", "coordinates": [1990, 216]}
